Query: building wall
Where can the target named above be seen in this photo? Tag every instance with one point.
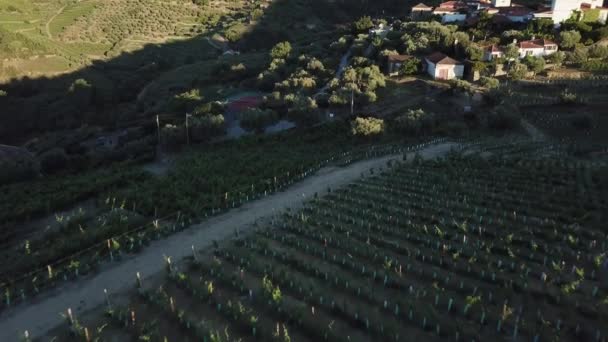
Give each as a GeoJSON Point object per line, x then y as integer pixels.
{"type": "Point", "coordinates": [430, 68]}
{"type": "Point", "coordinates": [562, 9]}
{"type": "Point", "coordinates": [489, 56]}
{"type": "Point", "coordinates": [452, 71]}
{"type": "Point", "coordinates": [535, 52]}
{"type": "Point", "coordinates": [501, 3]}
{"type": "Point", "coordinates": [519, 18]}
{"type": "Point", "coordinates": [450, 18]}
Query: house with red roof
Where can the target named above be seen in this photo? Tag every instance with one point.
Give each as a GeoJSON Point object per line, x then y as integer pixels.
{"type": "Point", "coordinates": [536, 48]}
{"type": "Point", "coordinates": [493, 52]}
{"type": "Point", "coordinates": [442, 67]}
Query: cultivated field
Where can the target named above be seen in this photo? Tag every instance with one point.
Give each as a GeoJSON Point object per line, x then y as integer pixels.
{"type": "Point", "coordinates": [461, 248]}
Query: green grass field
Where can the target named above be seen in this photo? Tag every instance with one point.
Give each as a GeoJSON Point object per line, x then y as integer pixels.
{"type": "Point", "coordinates": [70, 15]}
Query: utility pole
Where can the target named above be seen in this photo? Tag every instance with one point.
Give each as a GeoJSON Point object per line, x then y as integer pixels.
{"type": "Point", "coordinates": [158, 128]}
{"type": "Point", "coordinates": [187, 130]}
{"type": "Point", "coordinates": [352, 102]}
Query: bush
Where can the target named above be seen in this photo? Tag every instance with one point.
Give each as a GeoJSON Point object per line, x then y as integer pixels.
{"type": "Point", "coordinates": [489, 82]}
{"type": "Point", "coordinates": [304, 111]}
{"type": "Point", "coordinates": [367, 126]}
{"type": "Point", "coordinates": [363, 24]}
{"type": "Point", "coordinates": [206, 127]}
{"type": "Point", "coordinates": [567, 97]}
{"type": "Point", "coordinates": [414, 122]}
{"type": "Point", "coordinates": [281, 51]}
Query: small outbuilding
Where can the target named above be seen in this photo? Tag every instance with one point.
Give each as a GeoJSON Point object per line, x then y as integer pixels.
{"type": "Point", "coordinates": [395, 62]}
{"type": "Point", "coordinates": [442, 67]}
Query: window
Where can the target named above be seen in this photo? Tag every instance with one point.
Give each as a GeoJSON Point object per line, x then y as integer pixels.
{"type": "Point", "coordinates": [528, 53]}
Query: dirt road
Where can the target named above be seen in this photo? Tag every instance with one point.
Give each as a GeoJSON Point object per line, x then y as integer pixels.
{"type": "Point", "coordinates": [47, 26]}
{"type": "Point", "coordinates": [42, 315]}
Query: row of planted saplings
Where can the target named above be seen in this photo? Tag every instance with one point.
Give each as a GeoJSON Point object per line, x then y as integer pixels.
{"type": "Point", "coordinates": [485, 277]}
{"type": "Point", "coordinates": [354, 287]}
{"type": "Point", "coordinates": [393, 215]}
{"type": "Point", "coordinates": [453, 233]}
{"type": "Point", "coordinates": [522, 277]}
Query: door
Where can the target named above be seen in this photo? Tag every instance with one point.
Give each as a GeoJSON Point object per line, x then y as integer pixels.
{"type": "Point", "coordinates": [443, 74]}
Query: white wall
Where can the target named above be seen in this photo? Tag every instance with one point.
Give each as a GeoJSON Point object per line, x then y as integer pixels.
{"type": "Point", "coordinates": [535, 52]}
{"type": "Point", "coordinates": [453, 71]}
{"type": "Point", "coordinates": [450, 18]}
{"type": "Point", "coordinates": [430, 68]}
{"type": "Point", "coordinates": [562, 9]}
{"type": "Point", "coordinates": [501, 3]}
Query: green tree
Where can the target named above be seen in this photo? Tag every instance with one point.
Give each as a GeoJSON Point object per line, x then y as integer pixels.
{"type": "Point", "coordinates": [414, 121]}
{"type": "Point", "coordinates": [489, 82]}
{"type": "Point", "coordinates": [281, 51]}
{"type": "Point", "coordinates": [569, 39]}
{"type": "Point", "coordinates": [535, 64]}
{"type": "Point", "coordinates": [363, 24]}
{"type": "Point", "coordinates": [517, 71]}
{"type": "Point", "coordinates": [367, 126]}
{"type": "Point", "coordinates": [557, 58]}
{"type": "Point", "coordinates": [304, 111]}
{"type": "Point", "coordinates": [511, 51]}
{"type": "Point", "coordinates": [598, 51]}
{"type": "Point", "coordinates": [579, 55]}
{"type": "Point", "coordinates": [411, 66]}
{"type": "Point", "coordinates": [474, 52]}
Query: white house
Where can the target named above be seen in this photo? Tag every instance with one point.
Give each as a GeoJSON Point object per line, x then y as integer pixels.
{"type": "Point", "coordinates": [451, 11]}
{"type": "Point", "coordinates": [536, 48]}
{"type": "Point", "coordinates": [492, 52]}
{"type": "Point", "coordinates": [442, 67]}
{"type": "Point", "coordinates": [562, 10]}
{"type": "Point", "coordinates": [501, 3]}
{"type": "Point", "coordinates": [516, 14]}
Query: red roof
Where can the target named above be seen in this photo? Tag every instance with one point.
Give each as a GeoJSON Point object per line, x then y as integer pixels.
{"type": "Point", "coordinates": [543, 42]}
{"type": "Point", "coordinates": [494, 48]}
{"type": "Point", "coordinates": [453, 4]}
{"type": "Point", "coordinates": [444, 10]}
{"type": "Point", "coordinates": [529, 45]}
{"type": "Point", "coordinates": [440, 58]}
{"type": "Point", "coordinates": [398, 58]}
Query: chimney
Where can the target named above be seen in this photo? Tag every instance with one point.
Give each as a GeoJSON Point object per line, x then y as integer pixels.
{"type": "Point", "coordinates": [533, 37]}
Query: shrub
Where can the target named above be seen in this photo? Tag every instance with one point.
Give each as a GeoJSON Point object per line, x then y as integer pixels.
{"type": "Point", "coordinates": [489, 82]}
{"type": "Point", "coordinates": [414, 121]}
{"type": "Point", "coordinates": [569, 39]}
{"type": "Point", "coordinates": [281, 51]}
{"type": "Point", "coordinates": [363, 24]}
{"type": "Point", "coordinates": [367, 126]}
{"type": "Point", "coordinates": [567, 97]}
{"type": "Point", "coordinates": [206, 127]}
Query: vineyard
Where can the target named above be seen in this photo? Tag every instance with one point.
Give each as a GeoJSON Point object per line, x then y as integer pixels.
{"type": "Point", "coordinates": [461, 248]}
{"type": "Point", "coordinates": [138, 209]}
